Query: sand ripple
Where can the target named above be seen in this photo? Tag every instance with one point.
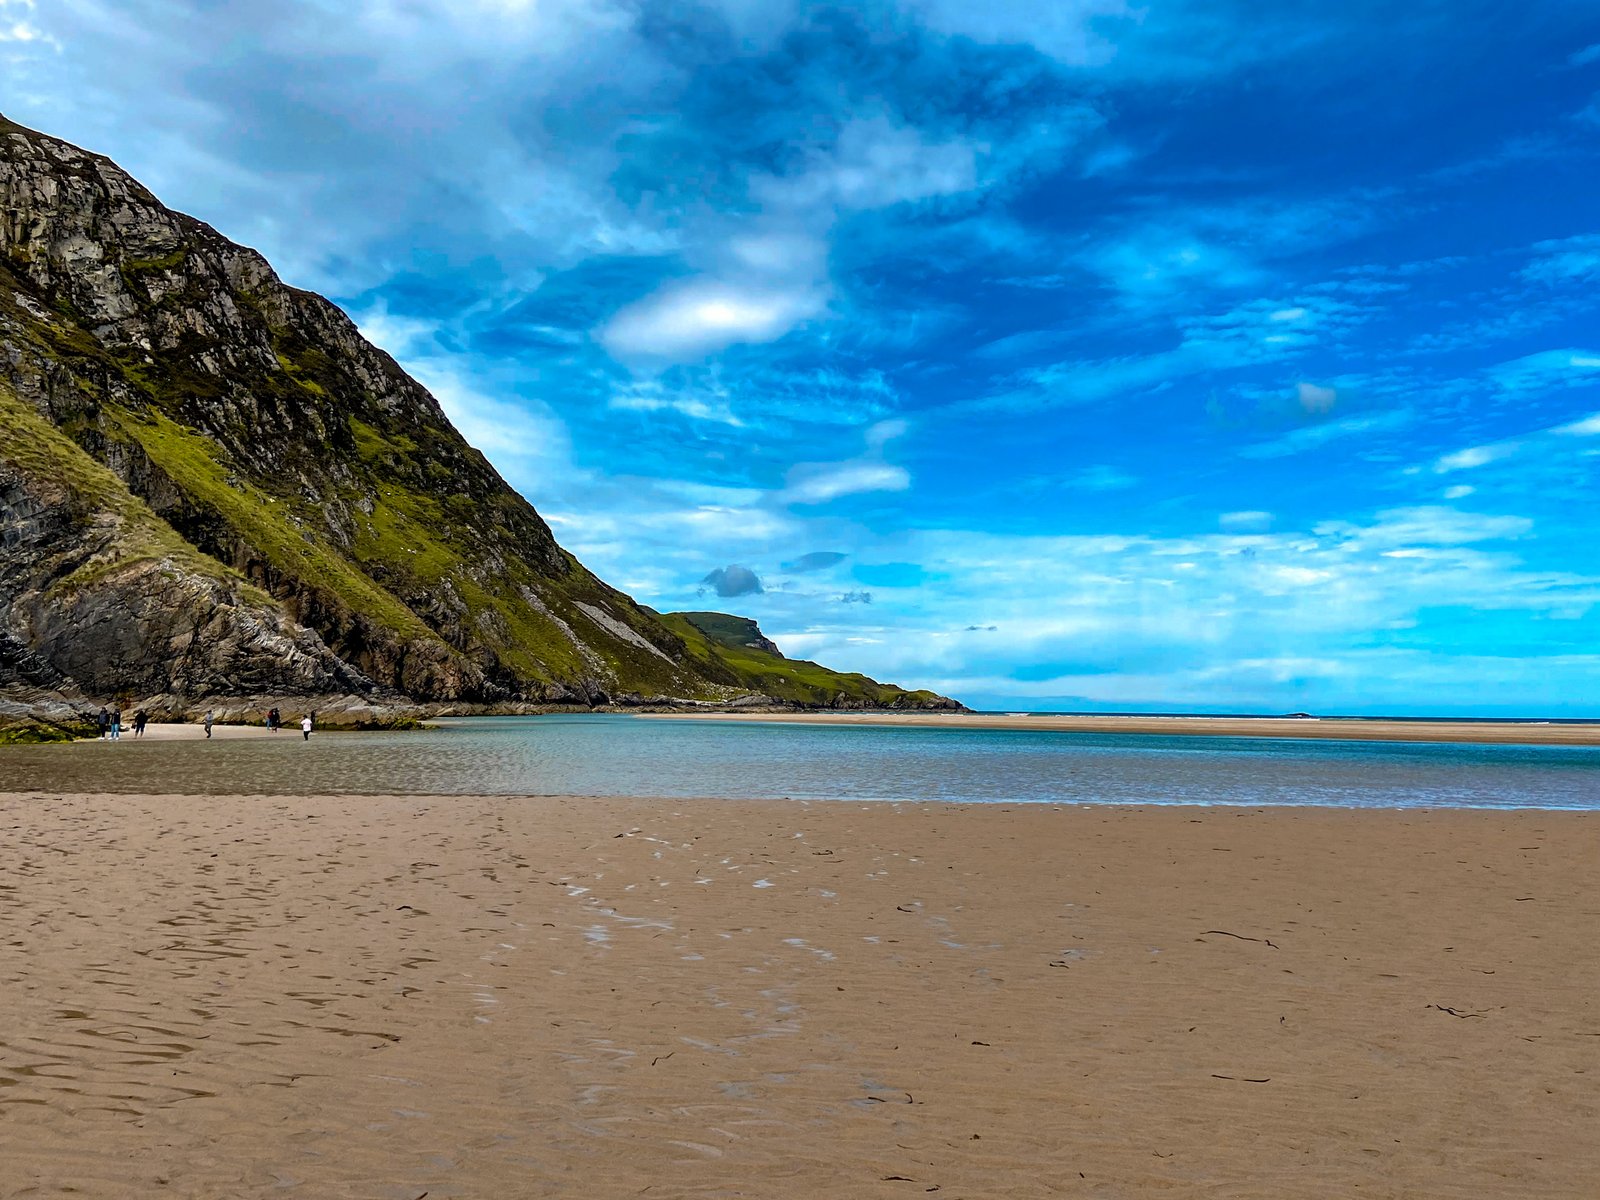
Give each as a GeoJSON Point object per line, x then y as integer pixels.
{"type": "Point", "coordinates": [386, 997]}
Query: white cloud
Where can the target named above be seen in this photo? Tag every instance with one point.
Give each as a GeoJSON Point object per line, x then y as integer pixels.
{"type": "Point", "coordinates": [1548, 369]}
{"type": "Point", "coordinates": [18, 28]}
{"type": "Point", "coordinates": [1459, 491]}
{"type": "Point", "coordinates": [402, 336]}
{"type": "Point", "coordinates": [1246, 522]}
{"type": "Point", "coordinates": [1575, 259]}
{"type": "Point", "coordinates": [817, 483]}
{"type": "Point", "coordinates": [1473, 457]}
{"type": "Point", "coordinates": [874, 163]}
{"type": "Point", "coordinates": [693, 319]}
{"type": "Point", "coordinates": [1156, 263]}
{"type": "Point", "coordinates": [1311, 437]}
{"type": "Point", "coordinates": [1120, 38]}
{"type": "Point", "coordinates": [764, 274]}
{"type": "Point", "coordinates": [1068, 30]}
{"type": "Point", "coordinates": [650, 395]}
{"type": "Point", "coordinates": [779, 251]}
{"type": "Point", "coordinates": [1425, 525]}
{"type": "Point", "coordinates": [881, 433]}
{"type": "Point", "coordinates": [1316, 399]}
{"type": "Point", "coordinates": [1583, 427]}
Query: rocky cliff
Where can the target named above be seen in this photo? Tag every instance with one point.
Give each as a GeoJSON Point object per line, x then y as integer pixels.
{"type": "Point", "coordinates": [211, 484]}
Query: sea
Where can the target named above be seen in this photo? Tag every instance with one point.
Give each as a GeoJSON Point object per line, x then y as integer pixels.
{"type": "Point", "coordinates": [620, 755]}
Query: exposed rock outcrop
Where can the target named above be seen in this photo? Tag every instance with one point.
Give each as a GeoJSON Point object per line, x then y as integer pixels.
{"type": "Point", "coordinates": [96, 593]}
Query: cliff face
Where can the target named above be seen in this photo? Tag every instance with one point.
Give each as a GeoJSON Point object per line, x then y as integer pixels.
{"type": "Point", "coordinates": [211, 483]}
{"type": "Point", "coordinates": [105, 597]}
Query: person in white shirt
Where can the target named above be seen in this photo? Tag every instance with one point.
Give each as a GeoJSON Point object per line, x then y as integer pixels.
{"type": "Point", "coordinates": [305, 727]}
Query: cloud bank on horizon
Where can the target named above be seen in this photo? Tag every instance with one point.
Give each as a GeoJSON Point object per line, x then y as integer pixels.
{"type": "Point", "coordinates": [1083, 355]}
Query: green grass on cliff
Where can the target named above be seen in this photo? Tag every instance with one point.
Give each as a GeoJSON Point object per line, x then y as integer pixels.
{"type": "Point", "coordinates": [422, 543]}
{"type": "Point", "coordinates": [296, 373]}
{"type": "Point", "coordinates": [414, 541]}
{"type": "Point", "coordinates": [132, 268]}
{"type": "Point", "coordinates": [264, 521]}
{"type": "Point", "coordinates": [724, 628]}
{"type": "Point", "coordinates": [47, 457]}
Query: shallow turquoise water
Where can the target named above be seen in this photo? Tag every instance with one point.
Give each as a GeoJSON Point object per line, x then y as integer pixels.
{"type": "Point", "coordinates": [621, 755]}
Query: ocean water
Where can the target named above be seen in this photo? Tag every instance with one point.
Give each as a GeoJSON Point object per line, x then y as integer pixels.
{"type": "Point", "coordinates": [622, 755]}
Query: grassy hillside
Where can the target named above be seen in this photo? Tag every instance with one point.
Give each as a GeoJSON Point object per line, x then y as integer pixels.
{"type": "Point", "coordinates": [48, 460]}
{"type": "Point", "coordinates": [740, 633]}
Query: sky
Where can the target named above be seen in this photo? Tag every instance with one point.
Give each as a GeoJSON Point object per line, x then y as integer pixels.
{"type": "Point", "coordinates": [1080, 355]}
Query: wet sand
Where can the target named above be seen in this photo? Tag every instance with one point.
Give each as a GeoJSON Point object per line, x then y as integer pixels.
{"type": "Point", "coordinates": [1526, 733]}
{"type": "Point", "coordinates": [397, 997]}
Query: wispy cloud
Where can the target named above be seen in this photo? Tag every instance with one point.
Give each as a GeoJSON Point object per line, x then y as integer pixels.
{"type": "Point", "coordinates": [1585, 57]}
{"type": "Point", "coordinates": [1358, 427]}
{"type": "Point", "coordinates": [18, 26]}
{"type": "Point", "coordinates": [649, 395]}
{"type": "Point", "coordinates": [1565, 260]}
{"type": "Point", "coordinates": [1583, 427]}
{"type": "Point", "coordinates": [1473, 457]}
{"type": "Point", "coordinates": [1251, 521]}
{"type": "Point", "coordinates": [817, 483]}
{"type": "Point", "coordinates": [1547, 369]}
{"type": "Point", "coordinates": [1251, 334]}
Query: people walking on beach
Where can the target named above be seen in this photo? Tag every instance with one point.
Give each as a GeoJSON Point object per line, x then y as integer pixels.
{"type": "Point", "coordinates": [210, 716]}
{"type": "Point", "coordinates": [305, 727]}
{"type": "Point", "coordinates": [274, 718]}
{"type": "Point", "coordinates": [103, 719]}
{"type": "Point", "coordinates": [140, 718]}
{"type": "Point", "coordinates": [116, 724]}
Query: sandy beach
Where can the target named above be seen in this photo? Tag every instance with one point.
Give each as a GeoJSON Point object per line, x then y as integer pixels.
{"type": "Point", "coordinates": [407, 997]}
{"type": "Point", "coordinates": [1531, 733]}
{"type": "Point", "coordinates": [173, 731]}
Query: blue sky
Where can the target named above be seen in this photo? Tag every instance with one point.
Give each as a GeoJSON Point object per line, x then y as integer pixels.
{"type": "Point", "coordinates": [1087, 355]}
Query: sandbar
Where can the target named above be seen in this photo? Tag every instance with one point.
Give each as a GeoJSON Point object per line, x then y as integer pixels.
{"type": "Point", "coordinates": [465, 997]}
{"type": "Point", "coordinates": [1543, 733]}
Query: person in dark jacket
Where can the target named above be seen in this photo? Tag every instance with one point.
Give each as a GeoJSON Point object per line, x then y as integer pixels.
{"type": "Point", "coordinates": [104, 721]}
